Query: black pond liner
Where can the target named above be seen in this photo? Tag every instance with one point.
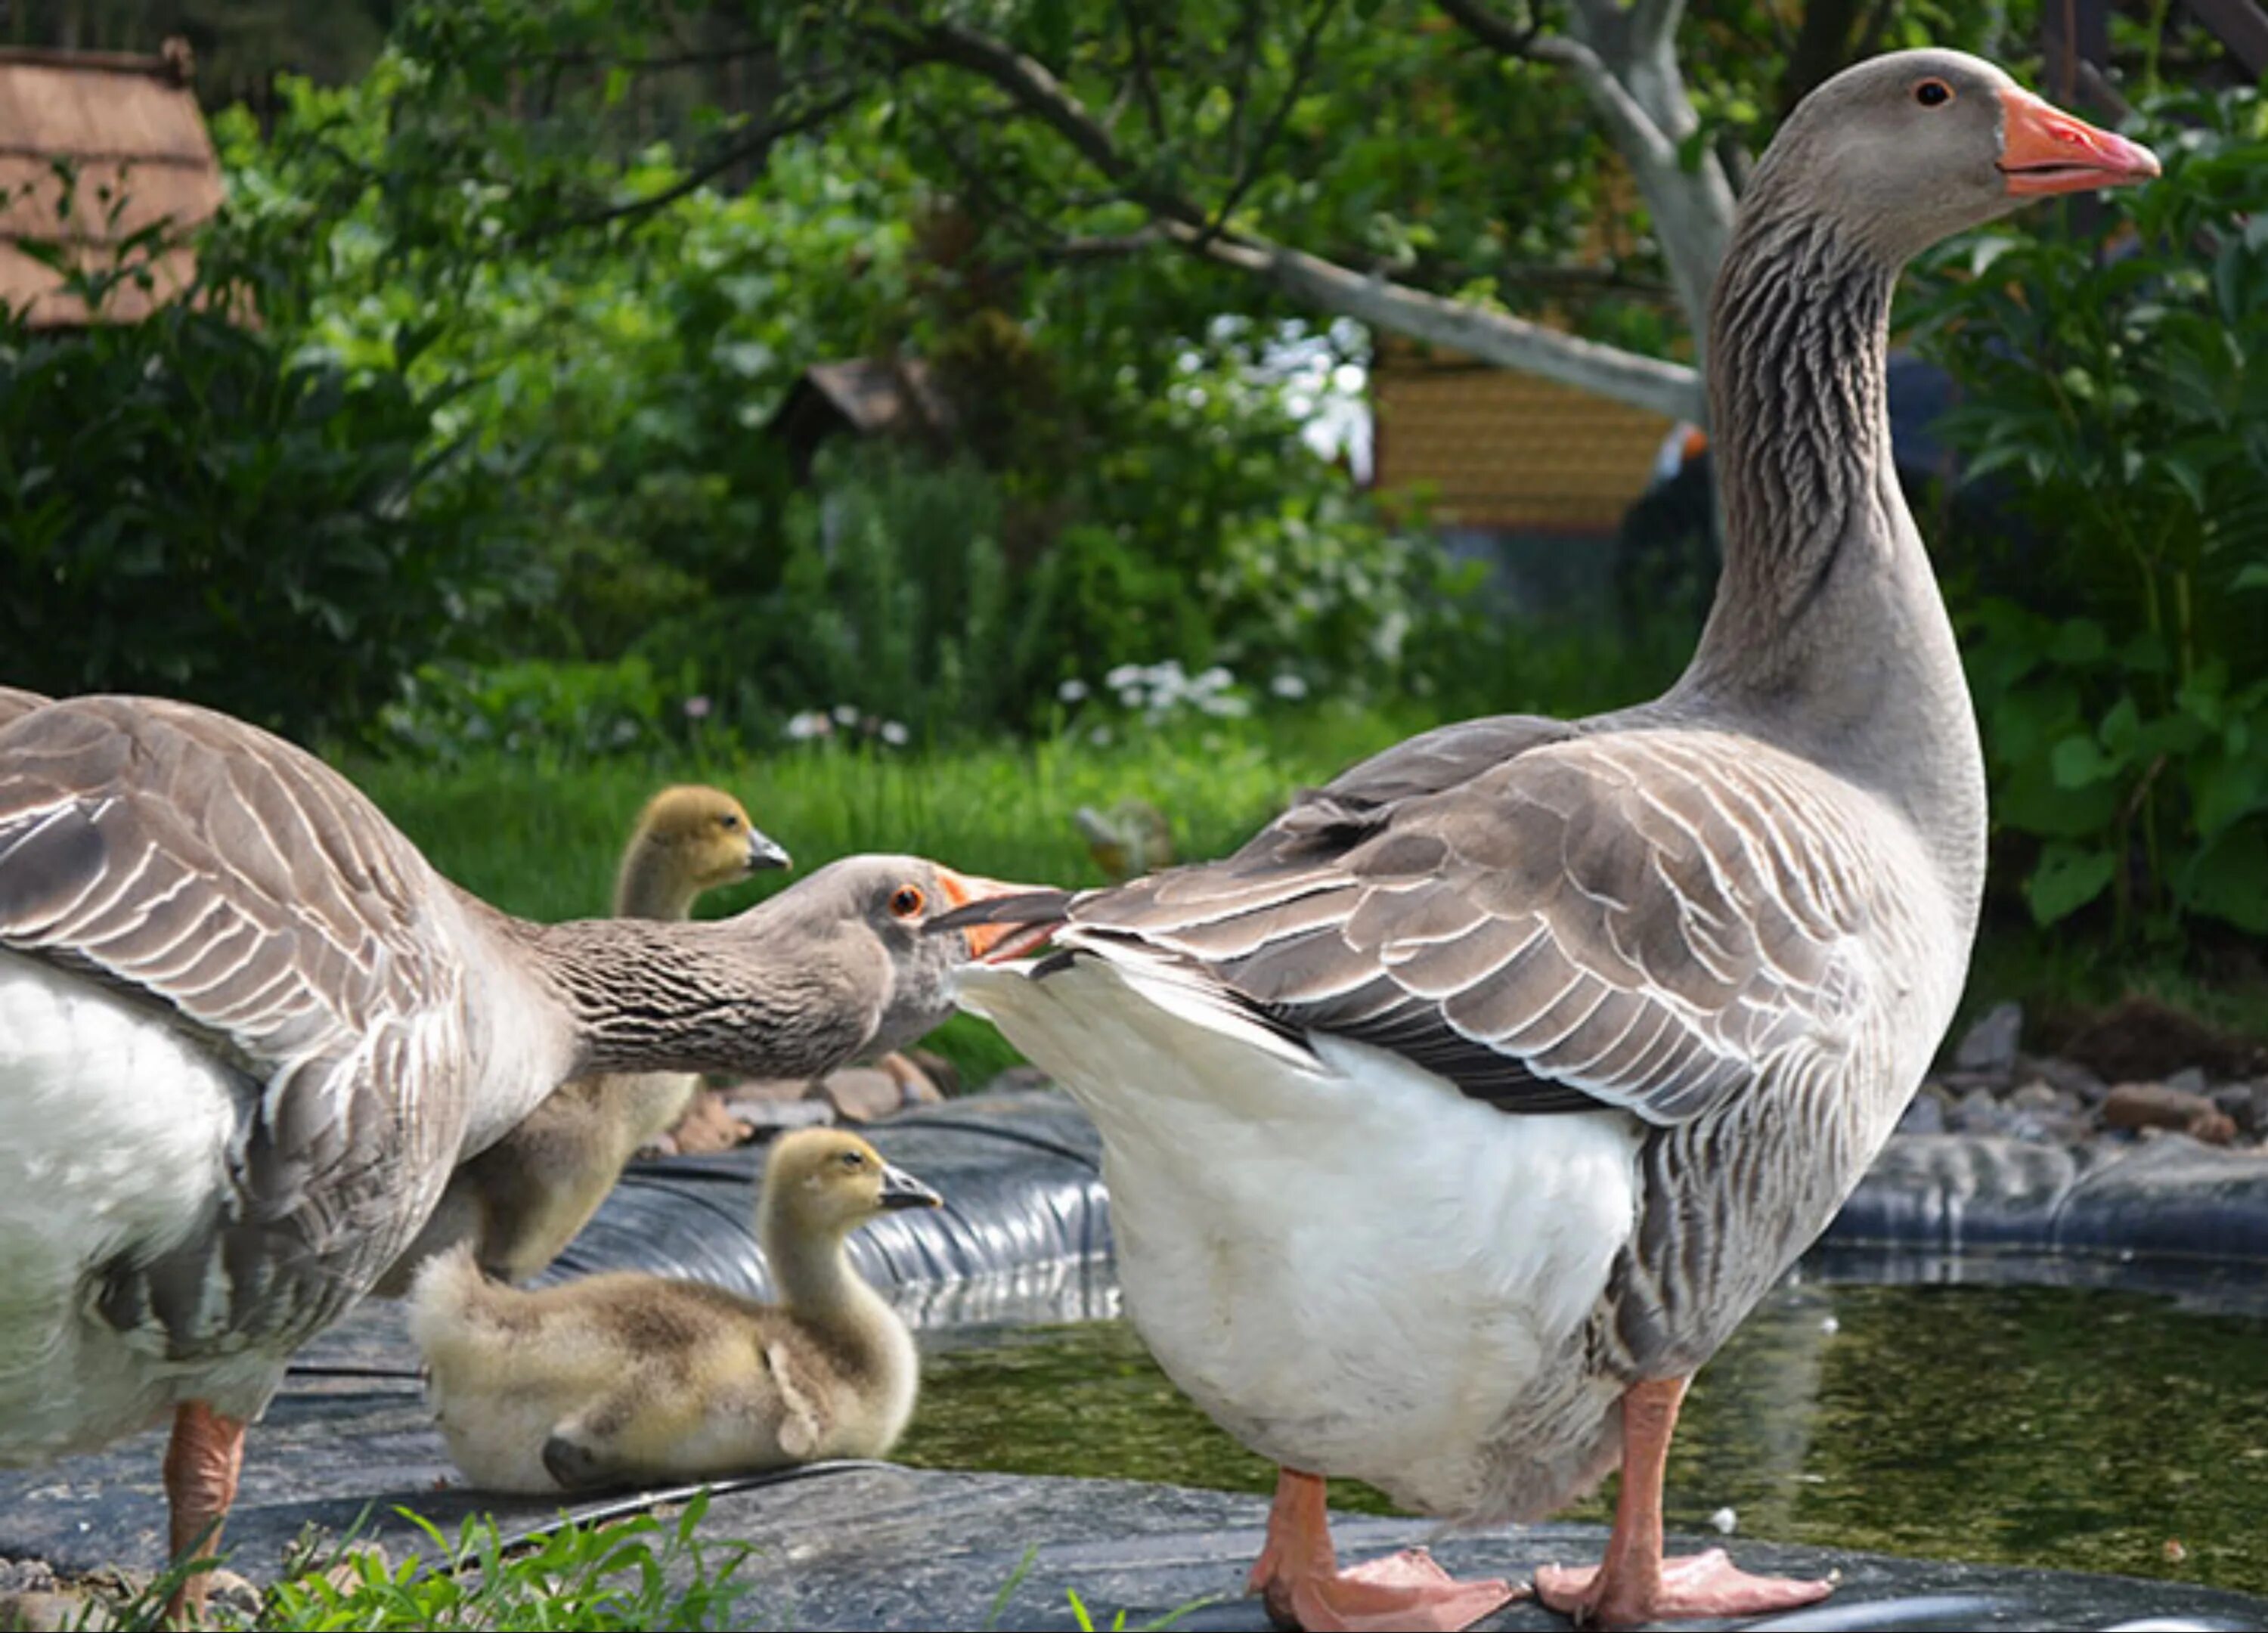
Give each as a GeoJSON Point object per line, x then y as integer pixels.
{"type": "Point", "coordinates": [1025, 1236]}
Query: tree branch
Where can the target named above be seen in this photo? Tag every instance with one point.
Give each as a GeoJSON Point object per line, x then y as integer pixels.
{"type": "Point", "coordinates": [1667, 388]}
{"type": "Point", "coordinates": [753, 146]}
{"type": "Point", "coordinates": [1303, 63]}
{"type": "Point", "coordinates": [1491, 29]}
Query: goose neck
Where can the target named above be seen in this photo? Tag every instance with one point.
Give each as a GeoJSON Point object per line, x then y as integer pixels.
{"type": "Point", "coordinates": [648, 886]}
{"type": "Point", "coordinates": [811, 1271]}
{"type": "Point", "coordinates": [643, 997]}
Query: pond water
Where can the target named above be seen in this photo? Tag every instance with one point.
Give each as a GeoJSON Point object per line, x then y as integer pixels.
{"type": "Point", "coordinates": [2083, 1429]}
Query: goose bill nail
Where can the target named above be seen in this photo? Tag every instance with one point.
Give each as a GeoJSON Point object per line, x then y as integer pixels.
{"type": "Point", "coordinates": [2044, 150]}
{"type": "Point", "coordinates": [900, 1189]}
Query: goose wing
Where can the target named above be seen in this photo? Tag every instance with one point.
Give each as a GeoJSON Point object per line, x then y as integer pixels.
{"type": "Point", "coordinates": [1552, 922]}
{"type": "Point", "coordinates": [252, 897]}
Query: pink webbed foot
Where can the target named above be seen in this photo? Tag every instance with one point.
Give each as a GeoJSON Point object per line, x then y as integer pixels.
{"type": "Point", "coordinates": [1695, 1585]}
{"type": "Point", "coordinates": [1299, 1575]}
{"type": "Point", "coordinates": [1406, 1590]}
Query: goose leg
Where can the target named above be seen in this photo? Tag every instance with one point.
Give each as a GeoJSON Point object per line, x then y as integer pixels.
{"type": "Point", "coordinates": [202, 1461]}
{"type": "Point", "coordinates": [1634, 1584]}
{"type": "Point", "coordinates": [1299, 1575]}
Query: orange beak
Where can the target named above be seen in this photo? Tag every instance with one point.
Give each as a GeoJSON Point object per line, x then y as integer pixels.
{"type": "Point", "coordinates": [961, 889]}
{"type": "Point", "coordinates": [2044, 150]}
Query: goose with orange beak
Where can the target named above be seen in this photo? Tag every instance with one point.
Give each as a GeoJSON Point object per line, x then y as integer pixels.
{"type": "Point", "coordinates": [1455, 1121]}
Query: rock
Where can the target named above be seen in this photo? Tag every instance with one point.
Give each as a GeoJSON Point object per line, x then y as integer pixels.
{"type": "Point", "coordinates": [940, 1071]}
{"type": "Point", "coordinates": [766, 1118]}
{"type": "Point", "coordinates": [1979, 1111]}
{"type": "Point", "coordinates": [2188, 1080]}
{"type": "Point", "coordinates": [26, 1576]}
{"type": "Point", "coordinates": [2038, 1096]}
{"type": "Point", "coordinates": [860, 1094]}
{"type": "Point", "coordinates": [916, 1086]}
{"type": "Point", "coordinates": [225, 1588]}
{"type": "Point", "coordinates": [709, 1125]}
{"type": "Point", "coordinates": [2244, 1105]}
{"type": "Point", "coordinates": [1990, 1046]}
{"type": "Point", "coordinates": [2160, 1106]}
{"type": "Point", "coordinates": [52, 1611]}
{"type": "Point", "coordinates": [1926, 1115]}
{"type": "Point", "coordinates": [2066, 1076]}
{"type": "Point", "coordinates": [753, 1089]}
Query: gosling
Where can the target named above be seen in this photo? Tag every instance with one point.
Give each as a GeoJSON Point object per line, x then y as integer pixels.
{"type": "Point", "coordinates": [626, 1377]}
{"type": "Point", "coordinates": [520, 1202]}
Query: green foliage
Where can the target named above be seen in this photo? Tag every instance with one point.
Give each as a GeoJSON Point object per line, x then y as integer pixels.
{"type": "Point", "coordinates": [187, 509]}
{"type": "Point", "coordinates": [2120, 658]}
{"type": "Point", "coordinates": [637, 1573]}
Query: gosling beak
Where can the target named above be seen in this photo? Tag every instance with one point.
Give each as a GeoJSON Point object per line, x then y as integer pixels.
{"type": "Point", "coordinates": [2044, 150]}
{"type": "Point", "coordinates": [765, 852]}
{"type": "Point", "coordinates": [900, 1189]}
{"type": "Point", "coordinates": [987, 912]}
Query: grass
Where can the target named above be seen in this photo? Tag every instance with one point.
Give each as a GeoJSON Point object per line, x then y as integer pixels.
{"type": "Point", "coordinates": [640, 1572]}
{"type": "Point", "coordinates": [541, 839]}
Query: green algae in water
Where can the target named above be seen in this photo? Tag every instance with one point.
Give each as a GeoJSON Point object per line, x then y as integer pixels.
{"type": "Point", "coordinates": [2077, 1430]}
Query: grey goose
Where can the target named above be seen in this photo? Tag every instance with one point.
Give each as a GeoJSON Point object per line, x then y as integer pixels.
{"type": "Point", "coordinates": [247, 1031]}
{"type": "Point", "coordinates": [525, 1198]}
{"type": "Point", "coordinates": [1453, 1122]}
{"type": "Point", "coordinates": [627, 1377]}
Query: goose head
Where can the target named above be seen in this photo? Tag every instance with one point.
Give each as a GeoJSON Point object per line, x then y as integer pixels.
{"type": "Point", "coordinates": [1912, 147]}
{"type": "Point", "coordinates": [864, 923]}
{"type": "Point", "coordinates": [820, 1184]}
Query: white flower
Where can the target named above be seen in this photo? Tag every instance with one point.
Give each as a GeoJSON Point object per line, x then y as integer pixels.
{"type": "Point", "coordinates": [807, 724]}
{"type": "Point", "coordinates": [1099, 737]}
{"type": "Point", "coordinates": [1214, 679]}
{"type": "Point", "coordinates": [1724, 1522]}
{"type": "Point", "coordinates": [697, 708]}
{"type": "Point", "coordinates": [896, 734]}
{"type": "Point", "coordinates": [1830, 1325]}
{"type": "Point", "coordinates": [1123, 676]}
{"type": "Point", "coordinates": [1288, 686]}
{"type": "Point", "coordinates": [1223, 705]}
{"type": "Point", "coordinates": [1071, 691]}
{"type": "Point", "coordinates": [846, 714]}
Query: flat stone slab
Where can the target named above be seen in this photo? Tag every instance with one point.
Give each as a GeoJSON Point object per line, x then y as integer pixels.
{"type": "Point", "coordinates": [874, 1546]}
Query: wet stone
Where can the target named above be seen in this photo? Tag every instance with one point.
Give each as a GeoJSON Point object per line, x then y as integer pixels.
{"type": "Point", "coordinates": [860, 1094]}
{"type": "Point", "coordinates": [2066, 1077]}
{"type": "Point", "coordinates": [1926, 1115]}
{"type": "Point", "coordinates": [2142, 1105]}
{"type": "Point", "coordinates": [1990, 1046]}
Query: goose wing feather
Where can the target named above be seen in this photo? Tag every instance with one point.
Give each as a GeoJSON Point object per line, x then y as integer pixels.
{"type": "Point", "coordinates": [250, 893]}
{"type": "Point", "coordinates": [1551, 921]}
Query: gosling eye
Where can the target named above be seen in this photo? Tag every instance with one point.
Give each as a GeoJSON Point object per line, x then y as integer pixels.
{"type": "Point", "coordinates": [729, 821]}
{"type": "Point", "coordinates": [852, 1161]}
{"type": "Point", "coordinates": [907, 900]}
{"type": "Point", "coordinates": [1933, 93]}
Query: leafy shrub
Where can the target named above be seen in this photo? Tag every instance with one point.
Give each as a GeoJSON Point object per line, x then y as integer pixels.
{"type": "Point", "coordinates": [186, 509]}
{"type": "Point", "coordinates": [559, 711]}
{"type": "Point", "coordinates": [2119, 656]}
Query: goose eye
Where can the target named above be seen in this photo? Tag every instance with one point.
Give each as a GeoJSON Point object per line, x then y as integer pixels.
{"type": "Point", "coordinates": [729, 821]}
{"type": "Point", "coordinates": [1933, 93]}
{"type": "Point", "coordinates": [852, 1160]}
{"type": "Point", "coordinates": [906, 901]}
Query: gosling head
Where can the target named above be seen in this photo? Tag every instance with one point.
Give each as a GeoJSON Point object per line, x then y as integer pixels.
{"type": "Point", "coordinates": [828, 1182]}
{"type": "Point", "coordinates": [696, 838]}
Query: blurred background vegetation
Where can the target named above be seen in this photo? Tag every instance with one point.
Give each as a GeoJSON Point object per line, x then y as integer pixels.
{"type": "Point", "coordinates": [518, 489]}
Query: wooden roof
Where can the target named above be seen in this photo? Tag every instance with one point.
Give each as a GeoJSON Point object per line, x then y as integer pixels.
{"type": "Point", "coordinates": [1505, 452]}
{"type": "Point", "coordinates": [130, 128]}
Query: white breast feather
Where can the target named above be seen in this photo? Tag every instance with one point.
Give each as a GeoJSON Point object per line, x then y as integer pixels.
{"type": "Point", "coordinates": [1355, 1269]}
{"type": "Point", "coordinates": [113, 1131]}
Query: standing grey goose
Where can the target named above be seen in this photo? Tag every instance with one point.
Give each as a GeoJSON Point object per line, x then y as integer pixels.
{"type": "Point", "coordinates": [247, 1031]}
{"type": "Point", "coordinates": [521, 1201]}
{"type": "Point", "coordinates": [1453, 1122]}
